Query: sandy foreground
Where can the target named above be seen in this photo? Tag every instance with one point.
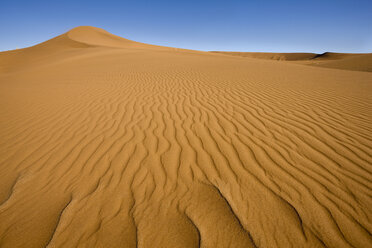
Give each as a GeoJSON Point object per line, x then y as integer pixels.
{"type": "Point", "coordinates": [107, 142]}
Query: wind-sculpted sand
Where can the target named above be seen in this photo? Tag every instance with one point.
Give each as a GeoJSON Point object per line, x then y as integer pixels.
{"type": "Point", "coordinates": [105, 142]}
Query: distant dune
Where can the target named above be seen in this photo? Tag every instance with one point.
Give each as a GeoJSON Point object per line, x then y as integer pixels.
{"type": "Point", "coordinates": [273, 56]}
{"type": "Point", "coordinates": [66, 46]}
{"type": "Point", "coordinates": [108, 142]}
{"type": "Point", "coordinates": [344, 61]}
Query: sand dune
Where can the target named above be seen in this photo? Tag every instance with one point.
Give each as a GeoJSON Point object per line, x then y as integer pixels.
{"type": "Point", "coordinates": [273, 56]}
{"type": "Point", "coordinates": [344, 61]}
{"type": "Point", "coordinates": [106, 142]}
{"type": "Point", "coordinates": [357, 62]}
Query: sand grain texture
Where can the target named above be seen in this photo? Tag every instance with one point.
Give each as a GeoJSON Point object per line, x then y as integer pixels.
{"type": "Point", "coordinates": [105, 142]}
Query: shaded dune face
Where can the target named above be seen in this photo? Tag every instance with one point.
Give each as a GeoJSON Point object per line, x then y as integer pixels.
{"type": "Point", "coordinates": [105, 142]}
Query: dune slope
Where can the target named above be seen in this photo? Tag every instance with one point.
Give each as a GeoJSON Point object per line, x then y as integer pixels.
{"type": "Point", "coordinates": [105, 142]}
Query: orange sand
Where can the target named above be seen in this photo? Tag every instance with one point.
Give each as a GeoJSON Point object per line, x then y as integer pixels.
{"type": "Point", "coordinates": [107, 142]}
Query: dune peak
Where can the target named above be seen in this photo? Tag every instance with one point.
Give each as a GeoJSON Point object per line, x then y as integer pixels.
{"type": "Point", "coordinates": [96, 37]}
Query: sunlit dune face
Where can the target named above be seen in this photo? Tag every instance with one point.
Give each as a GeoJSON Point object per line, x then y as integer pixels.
{"type": "Point", "coordinates": [107, 142]}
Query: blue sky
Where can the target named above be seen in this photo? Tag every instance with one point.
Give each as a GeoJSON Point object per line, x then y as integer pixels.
{"type": "Point", "coordinates": [230, 25]}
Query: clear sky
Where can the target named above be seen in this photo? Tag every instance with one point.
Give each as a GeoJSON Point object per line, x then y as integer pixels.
{"type": "Point", "coordinates": [229, 25]}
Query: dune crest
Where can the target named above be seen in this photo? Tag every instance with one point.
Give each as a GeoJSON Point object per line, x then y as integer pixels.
{"type": "Point", "coordinates": [105, 142]}
{"type": "Point", "coordinates": [93, 36]}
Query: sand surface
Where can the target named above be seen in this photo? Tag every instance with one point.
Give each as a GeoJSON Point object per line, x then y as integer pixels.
{"type": "Point", "coordinates": [106, 142]}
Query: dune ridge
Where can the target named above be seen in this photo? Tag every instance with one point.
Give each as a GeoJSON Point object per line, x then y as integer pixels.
{"type": "Point", "coordinates": [66, 46]}
{"type": "Point", "coordinates": [93, 36]}
{"type": "Point", "coordinates": [116, 145]}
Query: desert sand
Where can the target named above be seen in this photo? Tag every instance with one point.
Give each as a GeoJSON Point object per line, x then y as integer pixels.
{"type": "Point", "coordinates": [107, 142]}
